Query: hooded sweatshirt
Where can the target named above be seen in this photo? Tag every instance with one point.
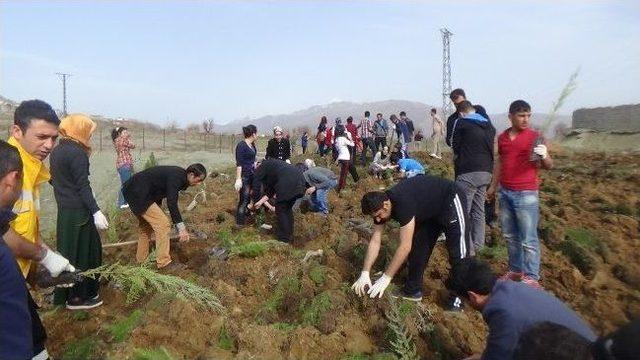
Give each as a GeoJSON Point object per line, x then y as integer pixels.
{"type": "Point", "coordinates": [472, 143]}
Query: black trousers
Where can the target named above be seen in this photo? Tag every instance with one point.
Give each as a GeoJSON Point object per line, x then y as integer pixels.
{"type": "Point", "coordinates": [380, 143]}
{"type": "Point", "coordinates": [284, 215]}
{"type": "Point", "coordinates": [243, 201]}
{"type": "Point", "coordinates": [37, 329]}
{"type": "Point", "coordinates": [452, 222]}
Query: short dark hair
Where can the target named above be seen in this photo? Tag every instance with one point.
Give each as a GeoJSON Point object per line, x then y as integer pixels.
{"type": "Point", "coordinates": [197, 170]}
{"type": "Point", "coordinates": [373, 201]}
{"type": "Point", "coordinates": [29, 110]}
{"type": "Point", "coordinates": [457, 92]}
{"type": "Point", "coordinates": [116, 132]}
{"type": "Point", "coordinates": [471, 274]}
{"type": "Point", "coordinates": [464, 106]}
{"type": "Point", "coordinates": [402, 113]}
{"type": "Point", "coordinates": [379, 114]}
{"type": "Point", "coordinates": [621, 344]}
{"type": "Point", "coordinates": [393, 117]}
{"type": "Point", "coordinates": [367, 113]}
{"type": "Point", "coordinates": [301, 167]}
{"type": "Point", "coordinates": [339, 130]}
{"type": "Point", "coordinates": [394, 157]}
{"type": "Point", "coordinates": [350, 119]}
{"type": "Point", "coordinates": [249, 130]}
{"type": "Point", "coordinates": [433, 110]}
{"type": "Point", "coordinates": [9, 159]}
{"type": "Point", "coordinates": [519, 106]}
{"type": "Point", "coordinates": [547, 340]}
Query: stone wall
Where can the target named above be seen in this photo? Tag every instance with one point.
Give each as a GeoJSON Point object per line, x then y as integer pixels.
{"type": "Point", "coordinates": [624, 118]}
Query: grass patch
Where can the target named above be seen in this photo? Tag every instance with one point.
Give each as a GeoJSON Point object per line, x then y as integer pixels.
{"type": "Point", "coordinates": [623, 209]}
{"type": "Point", "coordinates": [401, 341]}
{"type": "Point", "coordinates": [80, 315]}
{"type": "Point", "coordinates": [283, 326]}
{"type": "Point", "coordinates": [311, 313]}
{"type": "Point", "coordinates": [285, 286]}
{"type": "Point", "coordinates": [250, 250]}
{"type": "Point", "coordinates": [405, 308]}
{"type": "Point", "coordinates": [582, 237]}
{"type": "Point", "coordinates": [318, 274]}
{"type": "Point", "coordinates": [80, 349]}
{"type": "Point", "coordinates": [579, 257]}
{"type": "Point", "coordinates": [152, 354]}
{"type": "Point", "coordinates": [226, 238]}
{"type": "Point", "coordinates": [225, 341]}
{"type": "Point", "coordinates": [495, 252]}
{"type": "Point", "coordinates": [551, 189]}
{"type": "Point", "coordinates": [121, 330]}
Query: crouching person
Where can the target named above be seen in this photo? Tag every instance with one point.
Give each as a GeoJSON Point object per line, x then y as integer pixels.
{"type": "Point", "coordinates": [407, 167]}
{"type": "Point", "coordinates": [425, 206]}
{"type": "Point", "coordinates": [144, 193]}
{"type": "Point", "coordinates": [509, 307]}
{"type": "Point", "coordinates": [79, 216]}
{"type": "Point", "coordinates": [319, 181]}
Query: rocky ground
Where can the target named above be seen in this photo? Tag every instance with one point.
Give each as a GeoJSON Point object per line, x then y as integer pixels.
{"type": "Point", "coordinates": [279, 306]}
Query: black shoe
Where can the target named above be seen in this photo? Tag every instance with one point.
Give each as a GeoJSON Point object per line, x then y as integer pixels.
{"type": "Point", "coordinates": [78, 304]}
{"type": "Point", "coordinates": [416, 297]}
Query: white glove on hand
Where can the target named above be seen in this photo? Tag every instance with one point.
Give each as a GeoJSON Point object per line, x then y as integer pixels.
{"type": "Point", "coordinates": [56, 263]}
{"type": "Point", "coordinates": [377, 290]}
{"type": "Point", "coordinates": [541, 150]}
{"type": "Point", "coordinates": [100, 220]}
{"type": "Point", "coordinates": [362, 281]}
{"type": "Point", "coordinates": [238, 184]}
{"type": "Point", "coordinates": [288, 161]}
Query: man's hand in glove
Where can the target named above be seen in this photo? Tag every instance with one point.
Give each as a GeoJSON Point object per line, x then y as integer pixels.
{"type": "Point", "coordinates": [100, 220]}
{"type": "Point", "coordinates": [541, 150]}
{"type": "Point", "coordinates": [56, 263]}
{"type": "Point", "coordinates": [238, 184]}
{"type": "Point", "coordinates": [359, 285]}
{"type": "Point", "coordinates": [377, 290]}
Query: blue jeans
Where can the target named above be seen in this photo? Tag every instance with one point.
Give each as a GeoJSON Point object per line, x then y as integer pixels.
{"type": "Point", "coordinates": [519, 214]}
{"type": "Point", "coordinates": [125, 173]}
{"type": "Point", "coordinates": [319, 200]}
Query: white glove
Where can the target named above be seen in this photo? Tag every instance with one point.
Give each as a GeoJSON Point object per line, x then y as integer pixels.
{"type": "Point", "coordinates": [362, 281]}
{"type": "Point", "coordinates": [238, 184]}
{"type": "Point", "coordinates": [377, 290]}
{"type": "Point", "coordinates": [56, 263]}
{"type": "Point", "coordinates": [288, 161]}
{"type": "Point", "coordinates": [100, 220]}
{"type": "Point", "coordinates": [541, 150]}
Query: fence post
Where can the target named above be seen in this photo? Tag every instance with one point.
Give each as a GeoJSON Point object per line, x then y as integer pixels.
{"type": "Point", "coordinates": [143, 142]}
{"type": "Point", "coordinates": [164, 139]}
{"type": "Point", "coordinates": [220, 143]}
{"type": "Point", "coordinates": [100, 139]}
{"type": "Point", "coordinates": [185, 140]}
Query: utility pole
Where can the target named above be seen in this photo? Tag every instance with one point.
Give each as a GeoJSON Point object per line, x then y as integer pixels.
{"type": "Point", "coordinates": [446, 72]}
{"type": "Point", "coordinates": [64, 76]}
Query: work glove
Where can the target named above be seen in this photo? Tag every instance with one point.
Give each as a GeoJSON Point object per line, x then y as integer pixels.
{"type": "Point", "coordinates": [238, 184]}
{"type": "Point", "coordinates": [541, 150]}
{"type": "Point", "coordinates": [377, 290]}
{"type": "Point", "coordinates": [100, 220]}
{"type": "Point", "coordinates": [363, 280]}
{"type": "Point", "coordinates": [183, 234]}
{"type": "Point", "coordinates": [56, 263]}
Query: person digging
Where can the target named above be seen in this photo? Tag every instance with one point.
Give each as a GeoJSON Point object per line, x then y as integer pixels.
{"type": "Point", "coordinates": [425, 206]}
{"type": "Point", "coordinates": [144, 193]}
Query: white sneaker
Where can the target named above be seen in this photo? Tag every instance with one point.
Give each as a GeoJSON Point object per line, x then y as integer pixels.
{"type": "Point", "coordinates": [125, 206]}
{"type": "Point", "coordinates": [433, 155]}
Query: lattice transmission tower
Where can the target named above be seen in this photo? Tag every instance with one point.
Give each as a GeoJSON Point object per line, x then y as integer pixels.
{"type": "Point", "coordinates": [447, 108]}
{"type": "Point", "coordinates": [64, 77]}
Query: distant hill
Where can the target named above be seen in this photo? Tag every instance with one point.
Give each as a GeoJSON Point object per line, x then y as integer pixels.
{"type": "Point", "coordinates": [310, 117]}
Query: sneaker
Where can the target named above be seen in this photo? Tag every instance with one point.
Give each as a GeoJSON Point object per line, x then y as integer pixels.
{"type": "Point", "coordinates": [512, 275]}
{"type": "Point", "coordinates": [77, 304]}
{"type": "Point", "coordinates": [433, 155]}
{"type": "Point", "coordinates": [531, 282]}
{"type": "Point", "coordinates": [417, 296]}
{"type": "Point", "coordinates": [124, 206]}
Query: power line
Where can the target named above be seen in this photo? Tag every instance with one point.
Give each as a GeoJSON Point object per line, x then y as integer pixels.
{"type": "Point", "coordinates": [64, 76]}
{"type": "Point", "coordinates": [446, 72]}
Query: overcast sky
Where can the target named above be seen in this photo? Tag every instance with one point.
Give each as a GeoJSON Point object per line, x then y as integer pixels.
{"type": "Point", "coordinates": [186, 60]}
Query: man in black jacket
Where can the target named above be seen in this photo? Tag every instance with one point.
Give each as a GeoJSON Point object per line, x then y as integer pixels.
{"type": "Point", "coordinates": [144, 193]}
{"type": "Point", "coordinates": [471, 136]}
{"type": "Point", "coordinates": [275, 177]}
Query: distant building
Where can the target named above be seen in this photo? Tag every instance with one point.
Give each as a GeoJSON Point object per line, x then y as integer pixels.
{"type": "Point", "coordinates": [624, 118]}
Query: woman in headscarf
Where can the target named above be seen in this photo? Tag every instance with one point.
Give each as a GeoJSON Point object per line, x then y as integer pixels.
{"type": "Point", "coordinates": [279, 146]}
{"type": "Point", "coordinates": [79, 216]}
{"type": "Point", "coordinates": [124, 161]}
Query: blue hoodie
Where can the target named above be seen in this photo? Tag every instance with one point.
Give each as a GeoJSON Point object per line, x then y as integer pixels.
{"type": "Point", "coordinates": [472, 143]}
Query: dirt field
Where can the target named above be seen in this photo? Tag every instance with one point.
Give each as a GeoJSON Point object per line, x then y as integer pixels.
{"type": "Point", "coordinates": [279, 307]}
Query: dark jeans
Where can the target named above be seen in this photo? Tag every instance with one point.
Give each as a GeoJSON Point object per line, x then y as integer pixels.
{"type": "Point", "coordinates": [241, 210]}
{"type": "Point", "coordinates": [304, 148]}
{"type": "Point", "coordinates": [453, 223]}
{"type": "Point", "coordinates": [284, 215]}
{"type": "Point", "coordinates": [370, 144]}
{"type": "Point", "coordinates": [37, 329]}
{"type": "Point", "coordinates": [321, 149]}
{"type": "Point", "coordinates": [346, 166]}
{"type": "Point", "coordinates": [125, 173]}
{"type": "Point", "coordinates": [380, 143]}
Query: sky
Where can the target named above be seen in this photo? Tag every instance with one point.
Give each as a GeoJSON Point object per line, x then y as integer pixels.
{"type": "Point", "coordinates": [184, 61]}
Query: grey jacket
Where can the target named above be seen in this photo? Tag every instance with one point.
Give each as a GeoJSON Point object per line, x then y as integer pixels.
{"type": "Point", "coordinates": [319, 177]}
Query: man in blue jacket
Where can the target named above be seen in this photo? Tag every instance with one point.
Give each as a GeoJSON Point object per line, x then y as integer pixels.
{"type": "Point", "coordinates": [509, 308]}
